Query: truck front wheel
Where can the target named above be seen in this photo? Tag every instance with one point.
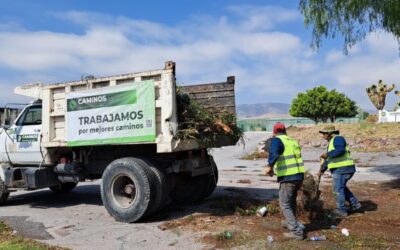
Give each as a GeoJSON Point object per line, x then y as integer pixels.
{"type": "Point", "coordinates": [125, 189]}
{"type": "Point", "coordinates": [3, 192]}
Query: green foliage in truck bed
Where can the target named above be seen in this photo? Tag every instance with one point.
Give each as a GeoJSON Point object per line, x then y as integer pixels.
{"type": "Point", "coordinates": [206, 124]}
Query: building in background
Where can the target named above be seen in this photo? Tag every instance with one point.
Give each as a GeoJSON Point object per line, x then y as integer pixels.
{"type": "Point", "coordinates": [12, 113]}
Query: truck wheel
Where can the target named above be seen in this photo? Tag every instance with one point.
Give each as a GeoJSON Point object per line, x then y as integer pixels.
{"type": "Point", "coordinates": [63, 187]}
{"type": "Point", "coordinates": [211, 180]}
{"type": "Point", "coordinates": [188, 189]}
{"type": "Point", "coordinates": [3, 192]}
{"type": "Point", "coordinates": [126, 189]}
{"type": "Point", "coordinates": [159, 192]}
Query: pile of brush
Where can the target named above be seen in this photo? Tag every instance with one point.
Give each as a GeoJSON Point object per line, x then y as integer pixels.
{"type": "Point", "coordinates": [310, 202]}
{"type": "Point", "coordinates": [204, 124]}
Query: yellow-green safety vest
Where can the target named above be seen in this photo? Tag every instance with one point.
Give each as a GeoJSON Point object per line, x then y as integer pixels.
{"type": "Point", "coordinates": [290, 162]}
{"type": "Point", "coordinates": [341, 161]}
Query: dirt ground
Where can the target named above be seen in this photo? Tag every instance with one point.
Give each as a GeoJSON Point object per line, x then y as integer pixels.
{"type": "Point", "coordinates": [226, 219]}
{"type": "Point", "coordinates": [234, 224]}
{"type": "Point", "coordinates": [362, 137]}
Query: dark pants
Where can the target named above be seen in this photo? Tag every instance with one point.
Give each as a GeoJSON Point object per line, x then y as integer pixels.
{"type": "Point", "coordinates": [287, 202]}
{"type": "Point", "coordinates": [342, 193]}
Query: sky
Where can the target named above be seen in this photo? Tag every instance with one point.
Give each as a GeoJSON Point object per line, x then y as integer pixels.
{"type": "Point", "coordinates": [264, 44]}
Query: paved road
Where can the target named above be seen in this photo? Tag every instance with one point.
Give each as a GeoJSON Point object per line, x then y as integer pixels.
{"type": "Point", "coordinates": [78, 220]}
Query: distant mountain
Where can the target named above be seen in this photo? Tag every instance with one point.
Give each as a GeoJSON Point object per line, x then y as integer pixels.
{"type": "Point", "coordinates": [261, 109]}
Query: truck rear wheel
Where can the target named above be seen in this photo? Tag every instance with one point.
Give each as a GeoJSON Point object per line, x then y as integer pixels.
{"type": "Point", "coordinates": [159, 192]}
{"type": "Point", "coordinates": [126, 189]}
{"type": "Point", "coordinates": [63, 187]}
{"type": "Point", "coordinates": [211, 180]}
{"type": "Point", "coordinates": [3, 192]}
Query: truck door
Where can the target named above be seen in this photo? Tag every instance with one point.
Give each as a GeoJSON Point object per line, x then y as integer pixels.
{"type": "Point", "coordinates": [23, 142]}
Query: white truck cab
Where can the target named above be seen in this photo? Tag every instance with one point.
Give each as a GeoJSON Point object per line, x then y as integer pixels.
{"type": "Point", "coordinates": [22, 139]}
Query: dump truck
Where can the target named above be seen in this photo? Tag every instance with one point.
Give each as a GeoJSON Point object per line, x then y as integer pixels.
{"type": "Point", "coordinates": [120, 129]}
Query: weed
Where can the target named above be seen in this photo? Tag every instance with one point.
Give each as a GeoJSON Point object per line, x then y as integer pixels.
{"type": "Point", "coordinates": [176, 231]}
{"type": "Point", "coordinates": [273, 209]}
{"type": "Point", "coordinates": [244, 181]}
{"type": "Point", "coordinates": [256, 155]}
{"type": "Point", "coordinates": [247, 212]}
{"type": "Point", "coordinates": [3, 227]}
{"type": "Point", "coordinates": [190, 218]}
{"type": "Point", "coordinates": [225, 235]}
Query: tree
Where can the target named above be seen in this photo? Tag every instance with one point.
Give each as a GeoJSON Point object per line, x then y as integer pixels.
{"type": "Point", "coordinates": [353, 19]}
{"type": "Point", "coordinates": [377, 94]}
{"type": "Point", "coordinates": [319, 104]}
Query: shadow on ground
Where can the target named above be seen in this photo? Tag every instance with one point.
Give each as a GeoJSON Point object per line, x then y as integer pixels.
{"type": "Point", "coordinates": [389, 169]}
{"type": "Point", "coordinates": [223, 202]}
{"type": "Point", "coordinates": [393, 184]}
{"type": "Point", "coordinates": [369, 206]}
{"type": "Point", "coordinates": [85, 194]}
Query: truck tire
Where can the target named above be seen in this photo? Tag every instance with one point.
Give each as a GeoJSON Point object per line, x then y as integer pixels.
{"type": "Point", "coordinates": [3, 192]}
{"type": "Point", "coordinates": [63, 187]}
{"type": "Point", "coordinates": [126, 189]}
{"type": "Point", "coordinates": [159, 191]}
{"type": "Point", "coordinates": [211, 180]}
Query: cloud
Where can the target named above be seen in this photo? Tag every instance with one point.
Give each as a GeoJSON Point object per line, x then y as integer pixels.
{"type": "Point", "coordinates": [110, 42]}
{"type": "Point", "coordinates": [374, 59]}
{"type": "Point", "coordinates": [7, 95]}
{"type": "Point", "coordinates": [263, 17]}
{"type": "Point", "coordinates": [270, 65]}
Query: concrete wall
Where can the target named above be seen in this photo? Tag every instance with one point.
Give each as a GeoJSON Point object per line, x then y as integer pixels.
{"type": "Point", "coordinates": [387, 116]}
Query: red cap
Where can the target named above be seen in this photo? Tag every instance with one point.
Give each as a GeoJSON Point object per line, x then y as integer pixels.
{"type": "Point", "coordinates": [279, 127]}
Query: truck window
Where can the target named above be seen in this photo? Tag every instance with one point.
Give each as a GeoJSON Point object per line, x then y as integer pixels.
{"type": "Point", "coordinates": [31, 116]}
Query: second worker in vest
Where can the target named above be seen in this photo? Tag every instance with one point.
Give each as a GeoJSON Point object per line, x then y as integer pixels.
{"type": "Point", "coordinates": [285, 160]}
{"type": "Point", "coordinates": [339, 162]}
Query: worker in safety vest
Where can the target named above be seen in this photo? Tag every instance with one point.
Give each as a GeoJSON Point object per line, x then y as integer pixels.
{"type": "Point", "coordinates": [285, 160]}
{"type": "Point", "coordinates": [339, 162]}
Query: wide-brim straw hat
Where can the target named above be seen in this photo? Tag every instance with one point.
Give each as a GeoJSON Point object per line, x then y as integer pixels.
{"type": "Point", "coordinates": [329, 129]}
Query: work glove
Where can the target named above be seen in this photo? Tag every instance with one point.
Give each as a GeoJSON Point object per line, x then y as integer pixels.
{"type": "Point", "coordinates": [268, 170]}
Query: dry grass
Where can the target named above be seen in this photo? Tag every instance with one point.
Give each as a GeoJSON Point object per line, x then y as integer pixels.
{"type": "Point", "coordinates": [10, 241]}
{"type": "Point", "coordinates": [244, 181]}
{"type": "Point", "coordinates": [355, 130]}
{"type": "Point", "coordinates": [256, 155]}
{"type": "Point", "coordinates": [367, 137]}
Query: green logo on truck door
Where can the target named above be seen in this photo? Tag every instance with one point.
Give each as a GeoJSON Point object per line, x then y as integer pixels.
{"type": "Point", "coordinates": [101, 101]}
{"type": "Point", "coordinates": [27, 138]}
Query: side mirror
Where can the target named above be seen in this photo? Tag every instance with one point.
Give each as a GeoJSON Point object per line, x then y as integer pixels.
{"type": "Point", "coordinates": [7, 121]}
